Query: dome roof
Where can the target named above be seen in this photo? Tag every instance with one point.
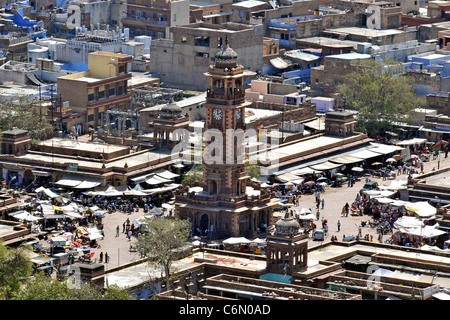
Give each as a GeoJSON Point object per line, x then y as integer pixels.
{"type": "Point", "coordinates": [226, 57]}
{"type": "Point", "coordinates": [171, 110]}
{"type": "Point", "coordinates": [288, 225]}
{"type": "Point", "coordinates": [226, 53]}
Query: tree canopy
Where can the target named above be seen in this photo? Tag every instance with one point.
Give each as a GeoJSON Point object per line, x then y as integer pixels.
{"type": "Point", "coordinates": [25, 113]}
{"type": "Point", "coordinates": [14, 267]}
{"type": "Point", "coordinates": [380, 92]}
{"type": "Point", "coordinates": [162, 240]}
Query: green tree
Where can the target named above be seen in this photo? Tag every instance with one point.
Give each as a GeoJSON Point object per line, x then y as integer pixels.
{"type": "Point", "coordinates": [162, 241]}
{"type": "Point", "coordinates": [192, 176]}
{"type": "Point", "coordinates": [15, 266]}
{"type": "Point", "coordinates": [25, 113]}
{"type": "Point", "coordinates": [380, 92]}
{"type": "Point", "coordinates": [43, 287]}
{"type": "Point", "coordinates": [252, 171]}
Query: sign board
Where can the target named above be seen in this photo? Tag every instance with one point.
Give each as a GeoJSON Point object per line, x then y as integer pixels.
{"type": "Point", "coordinates": [73, 166]}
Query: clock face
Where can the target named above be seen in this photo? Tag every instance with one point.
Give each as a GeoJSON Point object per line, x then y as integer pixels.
{"type": "Point", "coordinates": [217, 114]}
{"type": "Point", "coordinates": [238, 113]}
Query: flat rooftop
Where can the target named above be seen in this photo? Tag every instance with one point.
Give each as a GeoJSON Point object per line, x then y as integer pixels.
{"type": "Point", "coordinates": [325, 41]}
{"type": "Point", "coordinates": [306, 145]}
{"type": "Point", "coordinates": [131, 160]}
{"type": "Point", "coordinates": [252, 114]}
{"type": "Point", "coordinates": [365, 31]}
{"type": "Point", "coordinates": [441, 179]}
{"type": "Point", "coordinates": [80, 145]}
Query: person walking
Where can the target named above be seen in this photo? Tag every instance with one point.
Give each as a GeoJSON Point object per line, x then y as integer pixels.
{"type": "Point", "coordinates": [323, 203]}
{"type": "Point", "coordinates": [339, 225]}
{"type": "Point", "coordinates": [106, 257]}
{"type": "Point", "coordinates": [117, 231]}
{"type": "Point", "coordinates": [101, 257]}
{"type": "Point", "coordinates": [129, 235]}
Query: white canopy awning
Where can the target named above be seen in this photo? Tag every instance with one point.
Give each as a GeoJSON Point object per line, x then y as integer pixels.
{"type": "Point", "coordinates": [155, 180]}
{"type": "Point", "coordinates": [365, 154]}
{"type": "Point", "coordinates": [385, 148]}
{"type": "Point", "coordinates": [408, 222]}
{"type": "Point", "coordinates": [24, 216]}
{"type": "Point", "coordinates": [70, 181]}
{"type": "Point", "coordinates": [89, 183]}
{"type": "Point", "coordinates": [411, 142]}
{"type": "Point", "coordinates": [421, 208]}
{"type": "Point", "coordinates": [166, 174]}
{"type": "Point", "coordinates": [326, 166]}
{"type": "Point", "coordinates": [425, 232]}
{"type": "Point", "coordinates": [346, 159]}
{"type": "Point", "coordinates": [236, 240]}
{"type": "Point", "coordinates": [47, 192]}
{"type": "Point", "coordinates": [287, 177]}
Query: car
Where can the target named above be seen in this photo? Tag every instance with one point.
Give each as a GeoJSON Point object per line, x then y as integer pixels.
{"type": "Point", "coordinates": [370, 185]}
{"type": "Point", "coordinates": [319, 234]}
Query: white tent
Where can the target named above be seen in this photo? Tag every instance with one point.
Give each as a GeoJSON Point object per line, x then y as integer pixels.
{"type": "Point", "coordinates": [408, 222]}
{"type": "Point", "coordinates": [425, 232]}
{"type": "Point", "coordinates": [47, 192]}
{"type": "Point", "coordinates": [94, 233]}
{"type": "Point", "coordinates": [236, 240]}
{"type": "Point", "coordinates": [421, 208]}
{"type": "Point", "coordinates": [309, 217]}
{"type": "Point", "coordinates": [384, 200]}
{"type": "Point", "coordinates": [24, 216]}
{"type": "Point", "coordinates": [166, 174]}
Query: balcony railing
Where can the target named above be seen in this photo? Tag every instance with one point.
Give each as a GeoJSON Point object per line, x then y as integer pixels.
{"type": "Point", "coordinates": [226, 95]}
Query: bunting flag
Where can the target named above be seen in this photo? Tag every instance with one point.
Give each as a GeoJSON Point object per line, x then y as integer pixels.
{"type": "Point", "coordinates": [436, 147]}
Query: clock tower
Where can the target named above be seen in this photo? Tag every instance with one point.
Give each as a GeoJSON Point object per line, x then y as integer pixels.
{"type": "Point", "coordinates": [226, 204]}
{"type": "Point", "coordinates": [225, 173]}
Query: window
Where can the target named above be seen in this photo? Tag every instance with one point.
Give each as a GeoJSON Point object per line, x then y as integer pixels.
{"type": "Point", "coordinates": [101, 95]}
{"type": "Point", "coordinates": [202, 54]}
{"type": "Point", "coordinates": [90, 118]}
{"type": "Point", "coordinates": [122, 69]}
{"type": "Point", "coordinates": [201, 41]}
{"type": "Point", "coordinates": [111, 92]}
{"type": "Point", "coordinates": [120, 91]}
{"type": "Point", "coordinates": [91, 97]}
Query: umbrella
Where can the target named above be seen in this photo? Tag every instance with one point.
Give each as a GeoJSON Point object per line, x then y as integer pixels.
{"type": "Point", "coordinates": [339, 174]}
{"type": "Point", "coordinates": [322, 179]}
{"type": "Point", "coordinates": [310, 183]}
{"type": "Point", "coordinates": [376, 163]}
{"type": "Point", "coordinates": [195, 238]}
{"type": "Point", "coordinates": [397, 157]}
{"type": "Point", "coordinates": [323, 184]}
{"type": "Point", "coordinates": [358, 169]}
{"type": "Point", "coordinates": [414, 156]}
{"type": "Point", "coordinates": [391, 160]}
